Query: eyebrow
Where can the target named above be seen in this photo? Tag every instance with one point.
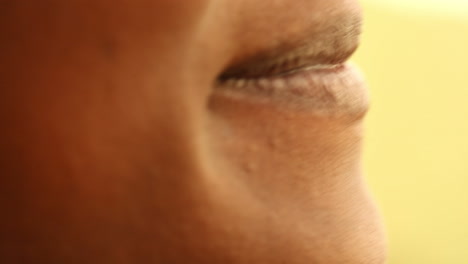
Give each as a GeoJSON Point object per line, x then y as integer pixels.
{"type": "Point", "coordinates": [329, 43]}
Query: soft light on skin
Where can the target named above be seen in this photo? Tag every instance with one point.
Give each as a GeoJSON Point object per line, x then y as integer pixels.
{"type": "Point", "coordinates": [117, 147]}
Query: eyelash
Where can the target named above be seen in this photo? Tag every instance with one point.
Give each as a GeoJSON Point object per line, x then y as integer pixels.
{"type": "Point", "coordinates": [275, 69]}
{"type": "Point", "coordinates": [276, 80]}
{"type": "Point", "coordinates": [264, 69]}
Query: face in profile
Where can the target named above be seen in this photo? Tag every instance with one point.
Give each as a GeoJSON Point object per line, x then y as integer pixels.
{"type": "Point", "coordinates": [161, 131]}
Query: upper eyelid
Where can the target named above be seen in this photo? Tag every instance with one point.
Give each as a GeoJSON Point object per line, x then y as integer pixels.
{"type": "Point", "coordinates": [332, 45]}
{"type": "Point", "coordinates": [301, 57]}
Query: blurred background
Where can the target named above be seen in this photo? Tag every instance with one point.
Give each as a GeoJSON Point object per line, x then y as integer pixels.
{"type": "Point", "coordinates": [415, 56]}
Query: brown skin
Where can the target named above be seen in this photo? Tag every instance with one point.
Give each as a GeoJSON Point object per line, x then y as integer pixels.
{"type": "Point", "coordinates": [116, 146]}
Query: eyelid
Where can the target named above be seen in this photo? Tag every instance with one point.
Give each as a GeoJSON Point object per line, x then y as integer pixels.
{"type": "Point", "coordinates": [338, 90]}
{"type": "Point", "coordinates": [332, 45]}
{"type": "Point", "coordinates": [310, 75]}
{"type": "Point", "coordinates": [285, 66]}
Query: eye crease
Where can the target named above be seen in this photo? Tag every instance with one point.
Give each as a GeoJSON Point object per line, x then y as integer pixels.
{"type": "Point", "coordinates": [274, 69]}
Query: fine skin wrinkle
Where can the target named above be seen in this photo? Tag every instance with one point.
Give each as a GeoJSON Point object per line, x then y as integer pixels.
{"type": "Point", "coordinates": [170, 131]}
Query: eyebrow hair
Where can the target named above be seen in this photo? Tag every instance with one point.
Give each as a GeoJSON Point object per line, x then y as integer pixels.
{"type": "Point", "coordinates": [332, 43]}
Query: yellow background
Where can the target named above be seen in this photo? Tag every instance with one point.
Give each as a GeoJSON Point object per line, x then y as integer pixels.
{"type": "Point", "coordinates": [416, 156]}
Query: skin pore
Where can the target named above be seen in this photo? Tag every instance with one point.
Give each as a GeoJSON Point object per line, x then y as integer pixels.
{"type": "Point", "coordinates": [122, 140]}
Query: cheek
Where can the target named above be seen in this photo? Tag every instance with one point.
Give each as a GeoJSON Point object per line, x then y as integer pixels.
{"type": "Point", "coordinates": [301, 152]}
{"type": "Point", "coordinates": [302, 172]}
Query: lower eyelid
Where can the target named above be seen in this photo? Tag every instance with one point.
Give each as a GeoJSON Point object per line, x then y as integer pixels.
{"type": "Point", "coordinates": [332, 90]}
